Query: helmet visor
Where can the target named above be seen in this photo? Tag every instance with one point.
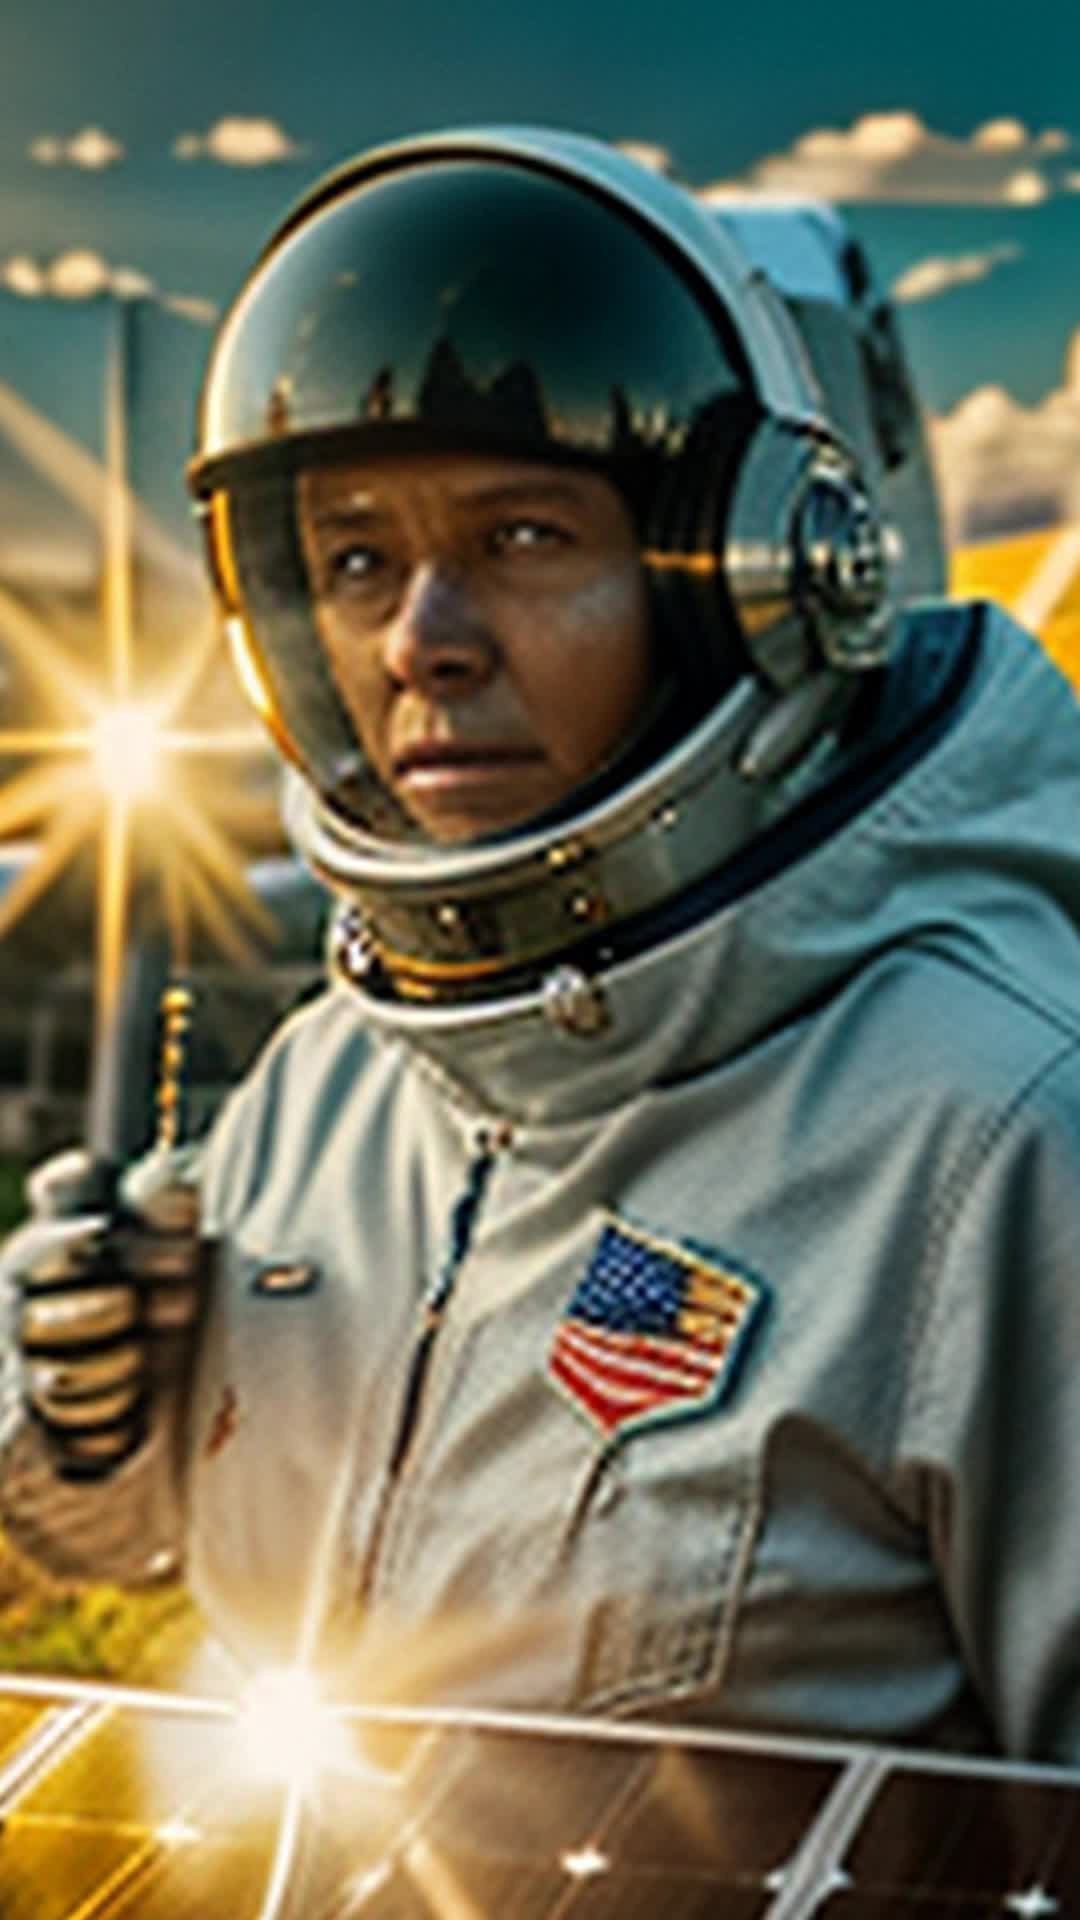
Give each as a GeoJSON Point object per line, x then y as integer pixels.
{"type": "Point", "coordinates": [457, 298]}
{"type": "Point", "coordinates": [448, 306]}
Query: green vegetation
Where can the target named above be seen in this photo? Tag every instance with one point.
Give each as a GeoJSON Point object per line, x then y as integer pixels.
{"type": "Point", "coordinates": [100, 1631]}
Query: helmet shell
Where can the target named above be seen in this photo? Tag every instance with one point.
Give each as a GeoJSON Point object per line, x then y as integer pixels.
{"type": "Point", "coordinates": [545, 296]}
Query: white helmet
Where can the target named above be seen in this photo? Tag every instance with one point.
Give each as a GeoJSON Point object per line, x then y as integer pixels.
{"type": "Point", "coordinates": [535, 294]}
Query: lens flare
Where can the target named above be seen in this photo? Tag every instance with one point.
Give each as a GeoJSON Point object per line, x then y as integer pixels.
{"type": "Point", "coordinates": [286, 1733]}
{"type": "Point", "coordinates": [85, 779]}
{"type": "Point", "coordinates": [127, 749]}
{"type": "Point", "coordinates": [95, 752]}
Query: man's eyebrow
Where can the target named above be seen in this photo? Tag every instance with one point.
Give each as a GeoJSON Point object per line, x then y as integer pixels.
{"type": "Point", "coordinates": [365, 509]}
{"type": "Point", "coordinates": [361, 511]}
{"type": "Point", "coordinates": [514, 493]}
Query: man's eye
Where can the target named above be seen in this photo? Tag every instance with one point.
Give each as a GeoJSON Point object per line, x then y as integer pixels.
{"type": "Point", "coordinates": [354, 565]}
{"type": "Point", "coordinates": [526, 536]}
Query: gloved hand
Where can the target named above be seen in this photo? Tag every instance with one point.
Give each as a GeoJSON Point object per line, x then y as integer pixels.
{"type": "Point", "coordinates": [105, 1303]}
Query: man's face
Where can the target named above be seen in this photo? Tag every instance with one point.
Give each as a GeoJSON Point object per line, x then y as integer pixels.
{"type": "Point", "coordinates": [485, 622]}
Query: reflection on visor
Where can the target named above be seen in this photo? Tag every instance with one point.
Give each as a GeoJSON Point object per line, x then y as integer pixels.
{"type": "Point", "coordinates": [485, 301]}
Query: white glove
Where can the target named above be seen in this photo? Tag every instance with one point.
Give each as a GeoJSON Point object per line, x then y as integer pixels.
{"type": "Point", "coordinates": [106, 1305]}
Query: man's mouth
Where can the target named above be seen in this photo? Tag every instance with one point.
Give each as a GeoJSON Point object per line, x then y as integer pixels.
{"type": "Point", "coordinates": [431, 761]}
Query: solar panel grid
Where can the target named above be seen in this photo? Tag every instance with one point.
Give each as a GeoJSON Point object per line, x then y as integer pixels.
{"type": "Point", "coordinates": [139, 1818]}
{"type": "Point", "coordinates": [734, 1815]}
{"type": "Point", "coordinates": [148, 1820]}
{"type": "Point", "coordinates": [57, 1869]}
{"type": "Point", "coordinates": [51, 1869]}
{"type": "Point", "coordinates": [17, 1717]}
{"type": "Point", "coordinates": [525, 1827]}
{"type": "Point", "coordinates": [517, 1890]}
{"type": "Point", "coordinates": [981, 1844]}
{"type": "Point", "coordinates": [856, 1904]}
{"type": "Point", "coordinates": [201, 1880]}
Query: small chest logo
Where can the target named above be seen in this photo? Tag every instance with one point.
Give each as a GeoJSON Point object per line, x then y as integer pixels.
{"type": "Point", "coordinates": [654, 1332]}
{"type": "Point", "coordinates": [290, 1277]}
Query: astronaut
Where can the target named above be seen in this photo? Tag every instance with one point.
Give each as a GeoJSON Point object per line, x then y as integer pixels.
{"type": "Point", "coordinates": [645, 1281]}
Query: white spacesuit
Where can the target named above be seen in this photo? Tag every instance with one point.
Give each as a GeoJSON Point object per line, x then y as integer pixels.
{"type": "Point", "coordinates": [645, 1281]}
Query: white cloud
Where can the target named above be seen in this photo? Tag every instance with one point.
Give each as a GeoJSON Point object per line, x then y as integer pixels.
{"type": "Point", "coordinates": [81, 274]}
{"type": "Point", "coordinates": [92, 149]}
{"type": "Point", "coordinates": [1000, 136]}
{"type": "Point", "coordinates": [19, 274]}
{"type": "Point", "coordinates": [78, 275]}
{"type": "Point", "coordinates": [1026, 188]}
{"type": "Point", "coordinates": [895, 156]}
{"type": "Point", "coordinates": [648, 154]}
{"type": "Point", "coordinates": [940, 272]}
{"type": "Point", "coordinates": [129, 284]}
{"type": "Point", "coordinates": [191, 307]}
{"type": "Point", "coordinates": [237, 141]}
{"type": "Point", "coordinates": [1003, 467]}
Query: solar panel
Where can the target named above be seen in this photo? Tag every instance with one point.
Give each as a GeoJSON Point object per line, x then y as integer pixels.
{"type": "Point", "coordinates": [116, 1805]}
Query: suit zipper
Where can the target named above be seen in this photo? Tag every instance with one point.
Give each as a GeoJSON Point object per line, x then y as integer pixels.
{"type": "Point", "coordinates": [462, 1226]}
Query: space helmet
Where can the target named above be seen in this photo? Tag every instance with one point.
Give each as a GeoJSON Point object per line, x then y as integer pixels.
{"type": "Point", "coordinates": [541, 296]}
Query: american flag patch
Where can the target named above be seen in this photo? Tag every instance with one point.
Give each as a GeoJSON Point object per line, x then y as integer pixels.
{"type": "Point", "coordinates": [654, 1332]}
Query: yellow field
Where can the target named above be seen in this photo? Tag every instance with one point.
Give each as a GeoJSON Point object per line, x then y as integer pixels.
{"type": "Point", "coordinates": [1002, 569]}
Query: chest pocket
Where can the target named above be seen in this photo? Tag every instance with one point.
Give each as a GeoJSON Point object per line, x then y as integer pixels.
{"type": "Point", "coordinates": [648, 1354]}
{"type": "Point", "coordinates": [650, 1566]}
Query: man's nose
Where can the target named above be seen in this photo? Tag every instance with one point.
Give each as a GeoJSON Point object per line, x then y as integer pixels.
{"type": "Point", "coordinates": [438, 640]}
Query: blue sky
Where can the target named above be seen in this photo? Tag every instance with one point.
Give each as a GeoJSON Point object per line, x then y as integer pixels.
{"type": "Point", "coordinates": [727, 96]}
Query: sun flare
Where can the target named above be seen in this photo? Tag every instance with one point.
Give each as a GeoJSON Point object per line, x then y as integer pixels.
{"type": "Point", "coordinates": [86, 778]}
{"type": "Point", "coordinates": [287, 1734]}
{"type": "Point", "coordinates": [127, 744]}
{"type": "Point", "coordinates": [102, 765]}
